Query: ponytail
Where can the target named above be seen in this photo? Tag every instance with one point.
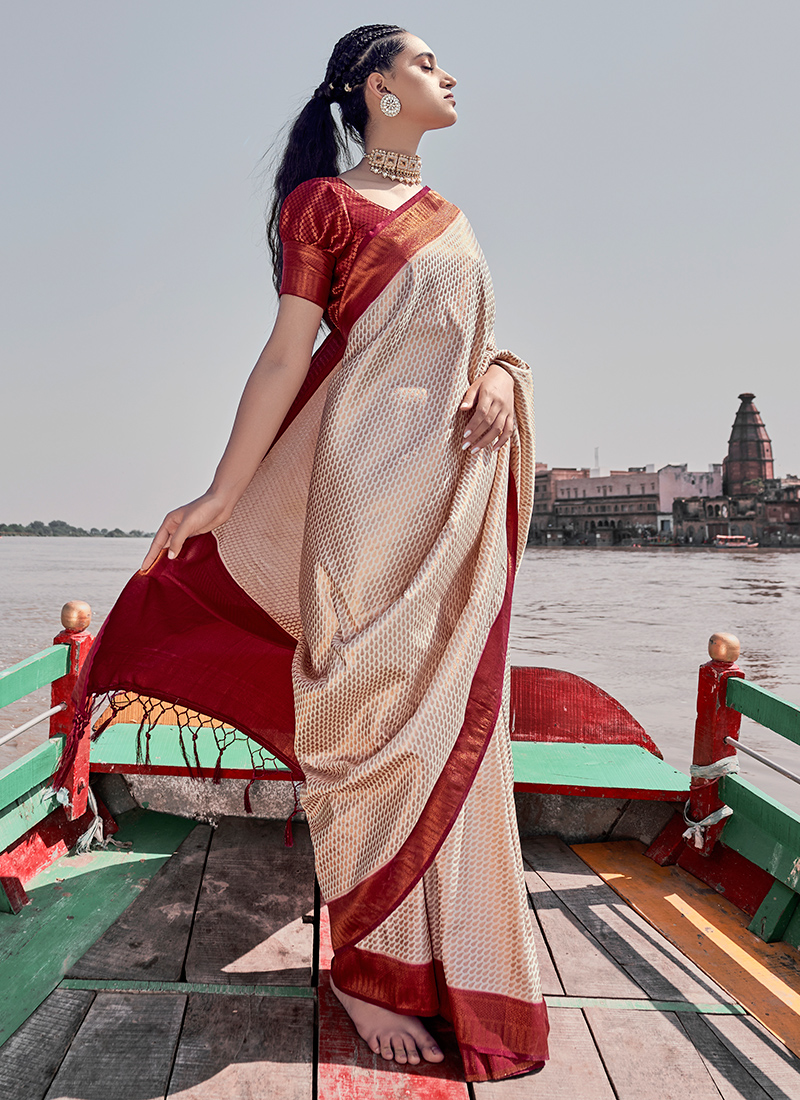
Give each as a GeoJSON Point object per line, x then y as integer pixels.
{"type": "Point", "coordinates": [316, 145]}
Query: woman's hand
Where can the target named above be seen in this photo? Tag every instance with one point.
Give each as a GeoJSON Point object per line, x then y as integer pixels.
{"type": "Point", "coordinates": [195, 518]}
{"type": "Point", "coordinates": [492, 398]}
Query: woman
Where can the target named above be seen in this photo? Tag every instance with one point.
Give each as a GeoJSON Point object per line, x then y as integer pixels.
{"type": "Point", "coordinates": [345, 599]}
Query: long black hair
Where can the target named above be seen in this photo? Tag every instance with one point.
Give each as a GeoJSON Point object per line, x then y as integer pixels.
{"type": "Point", "coordinates": [316, 145]}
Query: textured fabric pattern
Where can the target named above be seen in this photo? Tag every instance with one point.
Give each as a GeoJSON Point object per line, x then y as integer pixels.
{"type": "Point", "coordinates": [402, 579]}
{"type": "Point", "coordinates": [390, 567]}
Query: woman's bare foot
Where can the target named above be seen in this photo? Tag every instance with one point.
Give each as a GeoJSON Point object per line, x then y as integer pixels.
{"type": "Point", "coordinates": [390, 1034]}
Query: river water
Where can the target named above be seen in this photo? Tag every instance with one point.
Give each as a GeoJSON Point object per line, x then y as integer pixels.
{"type": "Point", "coordinates": [635, 622]}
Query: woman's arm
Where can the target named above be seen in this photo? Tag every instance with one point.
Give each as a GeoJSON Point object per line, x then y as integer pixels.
{"type": "Point", "coordinates": [271, 388]}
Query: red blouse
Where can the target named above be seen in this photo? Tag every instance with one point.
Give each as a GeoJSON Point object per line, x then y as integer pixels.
{"type": "Point", "coordinates": [322, 225]}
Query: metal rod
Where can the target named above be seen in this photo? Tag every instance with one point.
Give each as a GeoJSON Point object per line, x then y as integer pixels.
{"type": "Point", "coordinates": [33, 722]}
{"type": "Point", "coordinates": [764, 760]}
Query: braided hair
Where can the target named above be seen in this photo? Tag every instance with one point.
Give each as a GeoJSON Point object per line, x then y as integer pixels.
{"type": "Point", "coordinates": [316, 146]}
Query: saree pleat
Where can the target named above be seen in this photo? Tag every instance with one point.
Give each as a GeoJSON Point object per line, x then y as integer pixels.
{"type": "Point", "coordinates": [381, 556]}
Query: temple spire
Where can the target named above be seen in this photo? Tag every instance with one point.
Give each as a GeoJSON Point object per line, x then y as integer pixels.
{"type": "Point", "coordinates": [749, 461]}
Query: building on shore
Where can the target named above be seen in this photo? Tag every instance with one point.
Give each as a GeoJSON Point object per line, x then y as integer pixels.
{"type": "Point", "coordinates": [612, 507]}
{"type": "Point", "coordinates": [752, 501]}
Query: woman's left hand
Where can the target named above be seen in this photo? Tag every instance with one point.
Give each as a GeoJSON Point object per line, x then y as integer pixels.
{"type": "Point", "coordinates": [492, 398]}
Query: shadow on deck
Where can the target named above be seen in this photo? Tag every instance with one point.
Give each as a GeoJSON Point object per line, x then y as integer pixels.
{"type": "Point", "coordinates": [205, 987]}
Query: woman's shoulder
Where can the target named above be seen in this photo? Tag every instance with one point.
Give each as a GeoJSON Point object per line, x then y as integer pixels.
{"type": "Point", "coordinates": [315, 213]}
{"type": "Point", "coordinates": [317, 189]}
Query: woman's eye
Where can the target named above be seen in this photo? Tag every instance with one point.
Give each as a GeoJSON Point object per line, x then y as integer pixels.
{"type": "Point", "coordinates": [428, 68]}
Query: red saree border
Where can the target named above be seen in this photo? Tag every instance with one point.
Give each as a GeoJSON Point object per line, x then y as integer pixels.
{"type": "Point", "coordinates": [357, 913]}
{"type": "Point", "coordinates": [388, 248]}
{"type": "Point", "coordinates": [498, 1036]}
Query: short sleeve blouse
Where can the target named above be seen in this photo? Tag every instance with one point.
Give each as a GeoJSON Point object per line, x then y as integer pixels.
{"type": "Point", "coordinates": [323, 223]}
{"type": "Point", "coordinates": [315, 229]}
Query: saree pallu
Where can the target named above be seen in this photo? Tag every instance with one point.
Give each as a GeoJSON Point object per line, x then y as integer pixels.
{"type": "Point", "coordinates": [352, 616]}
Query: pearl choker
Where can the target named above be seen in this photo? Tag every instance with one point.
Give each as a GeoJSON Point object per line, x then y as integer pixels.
{"type": "Point", "coordinates": [403, 167]}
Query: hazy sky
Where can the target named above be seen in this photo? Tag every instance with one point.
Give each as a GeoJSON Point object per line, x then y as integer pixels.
{"type": "Point", "coordinates": [630, 168]}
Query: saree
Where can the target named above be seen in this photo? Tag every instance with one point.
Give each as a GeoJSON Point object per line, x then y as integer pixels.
{"type": "Point", "coordinates": [352, 617]}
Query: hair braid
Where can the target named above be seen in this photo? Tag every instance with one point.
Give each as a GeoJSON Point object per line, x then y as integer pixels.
{"type": "Point", "coordinates": [316, 145]}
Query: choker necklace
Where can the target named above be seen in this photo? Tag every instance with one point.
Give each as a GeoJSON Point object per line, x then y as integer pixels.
{"type": "Point", "coordinates": [403, 167]}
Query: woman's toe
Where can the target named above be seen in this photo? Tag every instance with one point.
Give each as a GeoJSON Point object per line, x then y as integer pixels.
{"type": "Point", "coordinates": [431, 1052]}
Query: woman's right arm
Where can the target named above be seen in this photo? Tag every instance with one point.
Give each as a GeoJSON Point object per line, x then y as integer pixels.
{"type": "Point", "coordinates": [271, 388]}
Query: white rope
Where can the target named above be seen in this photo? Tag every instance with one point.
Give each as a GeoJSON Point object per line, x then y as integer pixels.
{"type": "Point", "coordinates": [725, 766]}
{"type": "Point", "coordinates": [95, 830]}
{"type": "Point", "coordinates": [696, 831]}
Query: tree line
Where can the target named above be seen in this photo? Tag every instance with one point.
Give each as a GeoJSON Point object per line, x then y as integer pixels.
{"type": "Point", "coordinates": [59, 528]}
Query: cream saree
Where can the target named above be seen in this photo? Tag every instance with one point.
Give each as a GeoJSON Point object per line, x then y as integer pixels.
{"type": "Point", "coordinates": [372, 560]}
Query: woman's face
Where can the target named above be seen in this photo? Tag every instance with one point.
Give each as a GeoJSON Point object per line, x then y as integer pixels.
{"type": "Point", "coordinates": [422, 86]}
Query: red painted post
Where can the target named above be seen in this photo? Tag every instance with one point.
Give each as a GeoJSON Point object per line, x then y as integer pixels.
{"type": "Point", "coordinates": [75, 618]}
{"type": "Point", "coordinates": [715, 722]}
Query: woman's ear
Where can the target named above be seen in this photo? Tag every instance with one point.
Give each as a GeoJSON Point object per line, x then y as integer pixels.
{"type": "Point", "coordinates": [375, 86]}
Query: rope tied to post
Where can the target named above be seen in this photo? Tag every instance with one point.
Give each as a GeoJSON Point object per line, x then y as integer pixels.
{"type": "Point", "coordinates": [695, 834]}
{"type": "Point", "coordinates": [728, 765]}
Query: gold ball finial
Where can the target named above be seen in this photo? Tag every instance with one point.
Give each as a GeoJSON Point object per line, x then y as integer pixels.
{"type": "Point", "coordinates": [724, 647]}
{"type": "Point", "coordinates": [76, 615]}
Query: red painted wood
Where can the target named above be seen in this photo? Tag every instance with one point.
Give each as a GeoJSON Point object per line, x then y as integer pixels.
{"type": "Point", "coordinates": [550, 705]}
{"type": "Point", "coordinates": [669, 843]}
{"type": "Point", "coordinates": [77, 781]}
{"type": "Point", "coordinates": [715, 722]}
{"type": "Point", "coordinates": [605, 792]}
{"type": "Point", "coordinates": [14, 893]}
{"type": "Point", "coordinates": [730, 874]}
{"type": "Point", "coordinates": [47, 841]}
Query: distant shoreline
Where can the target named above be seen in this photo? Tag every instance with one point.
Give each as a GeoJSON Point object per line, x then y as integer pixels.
{"type": "Point", "coordinates": [59, 528]}
{"type": "Point", "coordinates": [77, 535]}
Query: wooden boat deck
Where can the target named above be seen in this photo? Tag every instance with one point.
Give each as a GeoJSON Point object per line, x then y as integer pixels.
{"type": "Point", "coordinates": [205, 988]}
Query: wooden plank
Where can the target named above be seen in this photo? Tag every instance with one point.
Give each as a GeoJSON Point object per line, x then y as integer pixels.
{"type": "Point", "coordinates": [772, 1066]}
{"type": "Point", "coordinates": [244, 1047]}
{"type": "Point", "coordinates": [150, 939]}
{"type": "Point", "coordinates": [729, 1074]}
{"type": "Point", "coordinates": [574, 1068]}
{"type": "Point", "coordinates": [583, 965]}
{"type": "Point", "coordinates": [34, 672]}
{"type": "Point", "coordinates": [764, 707]}
{"type": "Point", "coordinates": [20, 776]}
{"type": "Point", "coordinates": [249, 921]}
{"type": "Point", "coordinates": [30, 1057]}
{"type": "Point", "coordinates": [548, 976]}
{"type": "Point", "coordinates": [348, 1070]}
{"type": "Point", "coordinates": [762, 830]}
{"type": "Point", "coordinates": [137, 985]}
{"type": "Point", "coordinates": [658, 967]}
{"type": "Point", "coordinates": [708, 929]}
{"type": "Point", "coordinates": [72, 903]}
{"type": "Point", "coordinates": [691, 1007]}
{"type": "Point", "coordinates": [649, 1055]}
{"type": "Point", "coordinates": [123, 1049]}
{"type": "Point", "coordinates": [625, 771]}
{"type": "Point", "coordinates": [115, 750]}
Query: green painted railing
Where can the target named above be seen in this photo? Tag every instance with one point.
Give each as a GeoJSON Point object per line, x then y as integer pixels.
{"type": "Point", "coordinates": [32, 673]}
{"type": "Point", "coordinates": [765, 708]}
